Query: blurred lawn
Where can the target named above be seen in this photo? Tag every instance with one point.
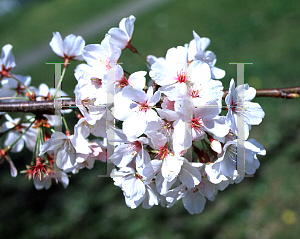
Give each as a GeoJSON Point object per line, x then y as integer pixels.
{"type": "Point", "coordinates": [266, 33]}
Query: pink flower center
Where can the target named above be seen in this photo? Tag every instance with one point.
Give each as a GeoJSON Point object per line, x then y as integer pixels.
{"type": "Point", "coordinates": [5, 71]}
{"type": "Point", "coordinates": [195, 93]}
{"type": "Point", "coordinates": [96, 82]}
{"type": "Point", "coordinates": [106, 62]}
{"type": "Point", "coordinates": [181, 77]}
{"type": "Point", "coordinates": [167, 128]}
{"type": "Point", "coordinates": [123, 82]}
{"type": "Point", "coordinates": [162, 153]}
{"type": "Point", "coordinates": [233, 107]}
{"type": "Point", "coordinates": [136, 146]}
{"type": "Point", "coordinates": [144, 106]}
{"type": "Point", "coordinates": [196, 124]}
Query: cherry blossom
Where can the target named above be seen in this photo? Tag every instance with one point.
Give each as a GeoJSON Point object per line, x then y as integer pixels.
{"type": "Point", "coordinates": [7, 61]}
{"type": "Point", "coordinates": [122, 36]}
{"type": "Point", "coordinates": [239, 106]}
{"type": "Point", "coordinates": [70, 48]}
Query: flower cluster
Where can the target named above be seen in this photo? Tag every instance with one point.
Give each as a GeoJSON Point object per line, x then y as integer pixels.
{"type": "Point", "coordinates": [176, 140]}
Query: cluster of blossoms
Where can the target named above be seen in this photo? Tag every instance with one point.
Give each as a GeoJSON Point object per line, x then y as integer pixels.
{"type": "Point", "coordinates": [174, 141]}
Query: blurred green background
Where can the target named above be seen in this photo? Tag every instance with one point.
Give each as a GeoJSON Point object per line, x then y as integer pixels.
{"type": "Point", "coordinates": [266, 33]}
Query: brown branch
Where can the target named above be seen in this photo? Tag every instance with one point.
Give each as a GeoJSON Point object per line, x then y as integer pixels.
{"type": "Point", "coordinates": [287, 93]}
{"type": "Point", "coordinates": [48, 107]}
{"type": "Point", "coordinates": [36, 107]}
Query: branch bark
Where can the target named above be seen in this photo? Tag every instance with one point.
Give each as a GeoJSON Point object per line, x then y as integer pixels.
{"type": "Point", "coordinates": [48, 107]}
{"type": "Point", "coordinates": [287, 93]}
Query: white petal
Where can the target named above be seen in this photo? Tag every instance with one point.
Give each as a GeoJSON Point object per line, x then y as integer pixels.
{"type": "Point", "coordinates": [194, 202]}
{"type": "Point", "coordinates": [57, 44]}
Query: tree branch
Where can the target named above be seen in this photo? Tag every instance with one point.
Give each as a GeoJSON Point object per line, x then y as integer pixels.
{"type": "Point", "coordinates": [48, 107]}
{"type": "Point", "coordinates": [287, 93]}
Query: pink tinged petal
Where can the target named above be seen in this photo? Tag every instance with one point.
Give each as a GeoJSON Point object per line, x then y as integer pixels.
{"type": "Point", "coordinates": [217, 73]}
{"type": "Point", "coordinates": [7, 58]}
{"type": "Point", "coordinates": [57, 44]}
{"type": "Point", "coordinates": [118, 37]}
{"type": "Point", "coordinates": [194, 202]}
{"type": "Point", "coordinates": [137, 79]}
{"type": "Point", "coordinates": [136, 95]}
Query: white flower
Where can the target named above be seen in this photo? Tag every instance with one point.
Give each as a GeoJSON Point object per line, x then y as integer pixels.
{"type": "Point", "coordinates": [176, 75]}
{"type": "Point", "coordinates": [12, 88]}
{"type": "Point", "coordinates": [7, 61]}
{"type": "Point", "coordinates": [28, 138]}
{"type": "Point", "coordinates": [240, 107]}
{"type": "Point", "coordinates": [196, 51]}
{"type": "Point", "coordinates": [104, 56]}
{"type": "Point", "coordinates": [196, 122]}
{"type": "Point", "coordinates": [70, 48]}
{"type": "Point", "coordinates": [122, 36]}
{"type": "Point", "coordinates": [227, 161]}
{"type": "Point", "coordinates": [46, 181]}
{"type": "Point", "coordinates": [135, 80]}
{"type": "Point", "coordinates": [129, 149]}
{"type": "Point", "coordinates": [66, 147]}
{"type": "Point", "coordinates": [135, 108]}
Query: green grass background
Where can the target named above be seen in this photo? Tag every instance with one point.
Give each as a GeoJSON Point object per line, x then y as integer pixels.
{"type": "Point", "coordinates": [266, 33]}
